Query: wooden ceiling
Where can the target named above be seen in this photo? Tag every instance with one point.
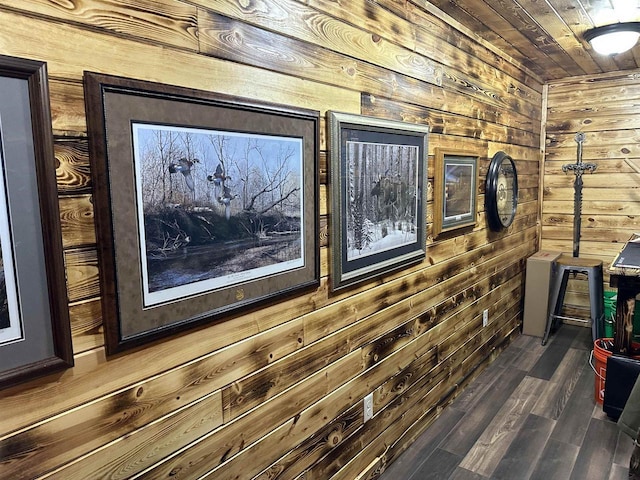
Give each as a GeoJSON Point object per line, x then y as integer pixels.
{"type": "Point", "coordinates": [547, 35]}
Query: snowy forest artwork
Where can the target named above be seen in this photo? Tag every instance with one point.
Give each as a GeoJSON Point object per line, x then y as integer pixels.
{"type": "Point", "coordinates": [378, 196]}
{"type": "Point", "coordinates": [382, 197]}
{"type": "Point", "coordinates": [215, 208]}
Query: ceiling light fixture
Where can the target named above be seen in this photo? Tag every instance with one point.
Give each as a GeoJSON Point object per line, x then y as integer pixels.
{"type": "Point", "coordinates": [613, 39]}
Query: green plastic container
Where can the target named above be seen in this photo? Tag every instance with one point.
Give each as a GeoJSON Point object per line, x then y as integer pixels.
{"type": "Point", "coordinates": [610, 298]}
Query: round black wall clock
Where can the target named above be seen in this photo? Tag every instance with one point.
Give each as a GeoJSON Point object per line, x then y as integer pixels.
{"type": "Point", "coordinates": [501, 192]}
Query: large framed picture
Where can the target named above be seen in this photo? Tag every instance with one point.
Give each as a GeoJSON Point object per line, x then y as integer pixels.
{"type": "Point", "coordinates": [35, 335]}
{"type": "Point", "coordinates": [455, 191]}
{"type": "Point", "coordinates": [205, 204]}
{"type": "Point", "coordinates": [378, 196]}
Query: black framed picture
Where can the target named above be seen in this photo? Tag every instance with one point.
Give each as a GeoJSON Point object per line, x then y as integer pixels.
{"type": "Point", "coordinates": [35, 335]}
{"type": "Point", "coordinates": [378, 196]}
{"type": "Point", "coordinates": [206, 204]}
{"type": "Point", "coordinates": [456, 185]}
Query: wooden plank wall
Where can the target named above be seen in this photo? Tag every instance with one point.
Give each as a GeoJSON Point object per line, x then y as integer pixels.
{"type": "Point", "coordinates": [605, 108]}
{"type": "Point", "coordinates": [277, 392]}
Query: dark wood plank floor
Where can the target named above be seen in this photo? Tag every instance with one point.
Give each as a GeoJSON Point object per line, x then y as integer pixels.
{"type": "Point", "coordinates": [531, 415]}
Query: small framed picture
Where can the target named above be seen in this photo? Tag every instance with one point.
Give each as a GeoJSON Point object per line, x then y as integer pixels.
{"type": "Point", "coordinates": [455, 190]}
{"type": "Point", "coordinates": [378, 196]}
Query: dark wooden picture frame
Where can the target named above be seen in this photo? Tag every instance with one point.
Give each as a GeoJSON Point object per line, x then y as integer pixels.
{"type": "Point", "coordinates": [205, 204]}
{"type": "Point", "coordinates": [35, 334]}
{"type": "Point", "coordinates": [455, 191]}
{"type": "Point", "coordinates": [378, 196]}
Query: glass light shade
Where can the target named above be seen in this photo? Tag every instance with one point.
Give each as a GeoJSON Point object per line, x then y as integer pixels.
{"type": "Point", "coordinates": [613, 39]}
{"type": "Point", "coordinates": [616, 42]}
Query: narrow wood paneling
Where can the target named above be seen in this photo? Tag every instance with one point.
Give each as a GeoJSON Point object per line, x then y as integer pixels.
{"type": "Point", "coordinates": [95, 376]}
{"type": "Point", "coordinates": [411, 25]}
{"type": "Point", "coordinates": [249, 392]}
{"type": "Point", "coordinates": [441, 122]}
{"type": "Point", "coordinates": [82, 273]}
{"type": "Point", "coordinates": [72, 172]}
{"type": "Point", "coordinates": [222, 36]}
{"type": "Point", "coordinates": [276, 391]}
{"type": "Point", "coordinates": [136, 450]}
{"type": "Point", "coordinates": [313, 26]}
{"type": "Point", "coordinates": [68, 119]}
{"type": "Point", "coordinates": [76, 219]}
{"type": "Point", "coordinates": [86, 325]}
{"type": "Point", "coordinates": [235, 40]}
{"type": "Point", "coordinates": [431, 23]}
{"type": "Point", "coordinates": [170, 22]}
{"type": "Point", "coordinates": [309, 451]}
{"type": "Point", "coordinates": [337, 315]}
{"type": "Point", "coordinates": [596, 249]}
{"type": "Point", "coordinates": [68, 58]}
{"type": "Point", "coordinates": [100, 422]}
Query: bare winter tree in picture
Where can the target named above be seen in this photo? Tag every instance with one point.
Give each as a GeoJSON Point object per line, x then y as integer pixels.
{"type": "Point", "coordinates": [382, 197]}
{"type": "Point", "coordinates": [217, 208]}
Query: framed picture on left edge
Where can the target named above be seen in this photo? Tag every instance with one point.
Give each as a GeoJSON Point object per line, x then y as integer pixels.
{"type": "Point", "coordinates": [378, 196]}
{"type": "Point", "coordinates": [205, 204]}
{"type": "Point", "coordinates": [35, 334]}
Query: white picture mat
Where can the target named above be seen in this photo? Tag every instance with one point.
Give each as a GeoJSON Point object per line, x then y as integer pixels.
{"type": "Point", "coordinates": [167, 295]}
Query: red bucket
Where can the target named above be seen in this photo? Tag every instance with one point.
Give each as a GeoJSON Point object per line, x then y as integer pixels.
{"type": "Point", "coordinates": [600, 368]}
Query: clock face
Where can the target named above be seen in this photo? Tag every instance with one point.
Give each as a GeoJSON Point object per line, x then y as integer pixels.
{"type": "Point", "coordinates": [501, 192]}
{"type": "Point", "coordinates": [504, 197]}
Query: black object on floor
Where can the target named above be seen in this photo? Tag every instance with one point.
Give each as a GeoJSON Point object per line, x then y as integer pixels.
{"type": "Point", "coordinates": [622, 373]}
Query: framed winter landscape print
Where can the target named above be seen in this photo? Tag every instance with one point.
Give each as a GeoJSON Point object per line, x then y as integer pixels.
{"type": "Point", "coordinates": [205, 204]}
{"type": "Point", "coordinates": [35, 336]}
{"type": "Point", "coordinates": [456, 184]}
{"type": "Point", "coordinates": [378, 196]}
